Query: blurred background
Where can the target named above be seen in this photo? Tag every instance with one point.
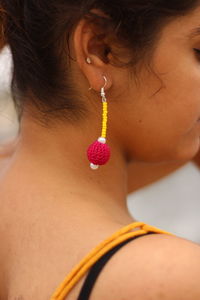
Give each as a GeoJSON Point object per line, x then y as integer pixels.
{"type": "Point", "coordinates": [8, 117]}
{"type": "Point", "coordinates": [172, 203]}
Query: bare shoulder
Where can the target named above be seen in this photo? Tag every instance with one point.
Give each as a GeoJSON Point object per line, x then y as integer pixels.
{"type": "Point", "coordinates": [154, 267]}
{"type": "Point", "coordinates": [6, 152]}
{"type": "Point", "coordinates": [3, 163]}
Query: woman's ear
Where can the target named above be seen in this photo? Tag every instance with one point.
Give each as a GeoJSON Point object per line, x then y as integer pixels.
{"type": "Point", "coordinates": [90, 52]}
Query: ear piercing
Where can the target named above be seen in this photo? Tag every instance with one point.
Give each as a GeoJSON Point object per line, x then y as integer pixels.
{"type": "Point", "coordinates": [88, 60]}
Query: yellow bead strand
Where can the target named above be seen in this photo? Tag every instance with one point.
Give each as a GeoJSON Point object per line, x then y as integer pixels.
{"type": "Point", "coordinates": [105, 119]}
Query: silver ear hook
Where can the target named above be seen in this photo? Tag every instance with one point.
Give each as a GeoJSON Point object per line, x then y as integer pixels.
{"type": "Point", "coordinates": [103, 95]}
{"type": "Point", "coordinates": [106, 81]}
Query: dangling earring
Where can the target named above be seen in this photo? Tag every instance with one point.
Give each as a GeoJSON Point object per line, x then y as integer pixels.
{"type": "Point", "coordinates": [99, 152]}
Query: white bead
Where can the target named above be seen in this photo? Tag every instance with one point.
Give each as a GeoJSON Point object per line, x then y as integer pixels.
{"type": "Point", "coordinates": [94, 167]}
{"type": "Point", "coordinates": [102, 140]}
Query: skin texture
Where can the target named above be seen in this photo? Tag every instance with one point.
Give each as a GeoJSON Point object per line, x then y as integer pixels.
{"type": "Point", "coordinates": [48, 176]}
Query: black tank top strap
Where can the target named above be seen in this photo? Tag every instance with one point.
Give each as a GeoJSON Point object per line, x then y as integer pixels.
{"type": "Point", "coordinates": [96, 269]}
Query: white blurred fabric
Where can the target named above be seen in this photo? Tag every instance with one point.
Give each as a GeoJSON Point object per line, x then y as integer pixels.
{"type": "Point", "coordinates": [8, 119]}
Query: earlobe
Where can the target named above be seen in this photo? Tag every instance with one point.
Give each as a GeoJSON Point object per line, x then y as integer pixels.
{"type": "Point", "coordinates": [88, 56]}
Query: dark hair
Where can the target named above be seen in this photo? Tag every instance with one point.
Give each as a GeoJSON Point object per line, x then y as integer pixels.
{"type": "Point", "coordinates": [2, 37]}
{"type": "Point", "coordinates": [37, 32]}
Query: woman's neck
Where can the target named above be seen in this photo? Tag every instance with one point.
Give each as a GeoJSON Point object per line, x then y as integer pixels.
{"type": "Point", "coordinates": [53, 163]}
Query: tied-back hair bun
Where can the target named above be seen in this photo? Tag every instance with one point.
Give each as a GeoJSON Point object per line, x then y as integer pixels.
{"type": "Point", "coordinates": [2, 27]}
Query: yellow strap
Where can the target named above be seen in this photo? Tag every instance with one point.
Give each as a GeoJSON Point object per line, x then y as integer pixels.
{"type": "Point", "coordinates": [80, 269]}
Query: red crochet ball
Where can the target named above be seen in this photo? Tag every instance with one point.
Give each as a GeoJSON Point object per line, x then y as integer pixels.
{"type": "Point", "coordinates": [98, 153]}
